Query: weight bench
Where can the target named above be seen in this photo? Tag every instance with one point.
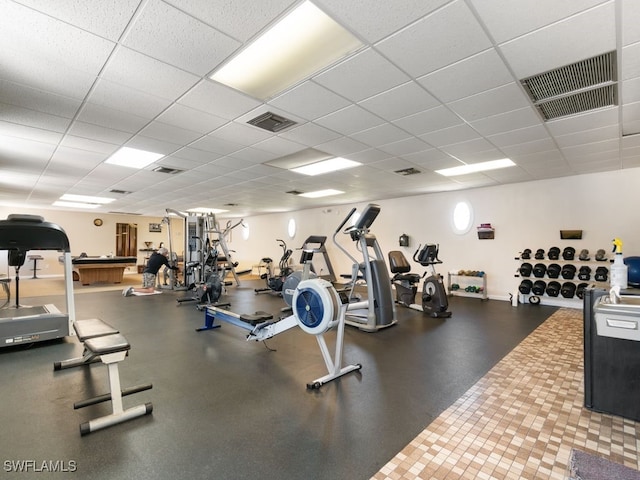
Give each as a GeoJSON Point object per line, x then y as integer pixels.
{"type": "Point", "coordinates": [85, 330]}
{"type": "Point", "coordinates": [103, 342]}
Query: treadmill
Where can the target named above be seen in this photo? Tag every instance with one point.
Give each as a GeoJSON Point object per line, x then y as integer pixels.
{"type": "Point", "coordinates": [20, 324]}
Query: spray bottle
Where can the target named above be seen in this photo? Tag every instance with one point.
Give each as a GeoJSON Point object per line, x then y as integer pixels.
{"type": "Point", "coordinates": [619, 273]}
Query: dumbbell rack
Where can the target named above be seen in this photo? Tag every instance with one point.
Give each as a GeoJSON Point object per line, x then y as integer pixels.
{"type": "Point", "coordinates": [559, 300]}
{"type": "Point", "coordinates": [468, 285]}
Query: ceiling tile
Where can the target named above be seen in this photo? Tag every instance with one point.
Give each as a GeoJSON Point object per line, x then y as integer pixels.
{"type": "Point", "coordinates": [126, 99]}
{"type": "Point", "coordinates": [38, 100]}
{"type": "Point", "coordinates": [434, 34]}
{"type": "Point", "coordinates": [218, 100]}
{"type": "Point", "coordinates": [361, 76]}
{"type": "Point", "coordinates": [428, 121]}
{"type": "Point", "coordinates": [190, 118]}
{"type": "Point", "coordinates": [541, 51]}
{"type": "Point", "coordinates": [483, 71]}
{"type": "Point", "coordinates": [169, 133]}
{"type": "Point", "coordinates": [111, 118]}
{"type": "Point", "coordinates": [240, 19]}
{"type": "Point", "coordinates": [399, 102]}
{"type": "Point", "coordinates": [168, 34]}
{"type": "Point", "coordinates": [505, 122]}
{"type": "Point", "coordinates": [506, 20]}
{"type": "Point", "coordinates": [310, 101]}
{"type": "Point", "coordinates": [375, 20]}
{"type": "Point", "coordinates": [147, 74]}
{"type": "Point", "coordinates": [492, 102]}
{"type": "Point", "coordinates": [95, 16]}
{"type": "Point", "coordinates": [349, 120]}
{"type": "Point", "coordinates": [381, 135]}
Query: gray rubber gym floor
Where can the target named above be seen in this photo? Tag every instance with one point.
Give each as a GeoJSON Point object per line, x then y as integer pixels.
{"type": "Point", "coordinates": [225, 408]}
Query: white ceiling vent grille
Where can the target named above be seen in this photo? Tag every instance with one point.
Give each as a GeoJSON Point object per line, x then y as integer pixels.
{"type": "Point", "coordinates": [582, 86]}
{"type": "Point", "coordinates": [271, 122]}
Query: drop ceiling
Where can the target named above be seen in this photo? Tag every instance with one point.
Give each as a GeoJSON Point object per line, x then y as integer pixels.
{"type": "Point", "coordinates": [436, 84]}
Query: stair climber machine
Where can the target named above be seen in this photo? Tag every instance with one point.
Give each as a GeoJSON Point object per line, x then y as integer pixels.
{"type": "Point", "coordinates": [434, 296]}
{"type": "Point", "coordinates": [380, 311]}
{"type": "Point", "coordinates": [317, 308]}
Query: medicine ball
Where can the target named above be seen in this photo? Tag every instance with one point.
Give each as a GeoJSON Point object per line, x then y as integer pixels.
{"type": "Point", "coordinates": [602, 273]}
{"type": "Point", "coordinates": [554, 253]}
{"type": "Point", "coordinates": [568, 271]}
{"type": "Point", "coordinates": [584, 273]}
{"type": "Point", "coordinates": [580, 290]}
{"type": "Point", "coordinates": [584, 255]}
{"type": "Point", "coordinates": [539, 254]}
{"type": "Point", "coordinates": [601, 255]}
{"type": "Point", "coordinates": [553, 288]}
{"type": "Point", "coordinates": [633, 271]}
{"type": "Point", "coordinates": [525, 286]}
{"type": "Point", "coordinates": [553, 270]}
{"type": "Point", "coordinates": [526, 254]}
{"type": "Point", "coordinates": [568, 253]}
{"type": "Point", "coordinates": [539, 270]}
{"type": "Point", "coordinates": [539, 287]}
{"type": "Point", "coordinates": [568, 289]}
{"type": "Point", "coordinates": [525, 269]}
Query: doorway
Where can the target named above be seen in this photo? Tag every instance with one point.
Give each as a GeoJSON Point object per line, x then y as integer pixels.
{"type": "Point", "coordinates": [126, 239]}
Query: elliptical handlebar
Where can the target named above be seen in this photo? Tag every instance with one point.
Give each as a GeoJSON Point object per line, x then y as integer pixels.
{"type": "Point", "coordinates": [345, 221]}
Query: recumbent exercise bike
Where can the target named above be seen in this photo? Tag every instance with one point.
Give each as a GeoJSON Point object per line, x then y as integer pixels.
{"type": "Point", "coordinates": [434, 296]}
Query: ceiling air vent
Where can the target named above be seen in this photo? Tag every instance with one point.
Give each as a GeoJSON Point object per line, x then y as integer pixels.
{"type": "Point", "coordinates": [580, 87]}
{"type": "Point", "coordinates": [171, 171]}
{"type": "Point", "coordinates": [119, 192]}
{"type": "Point", "coordinates": [407, 171]}
{"type": "Point", "coordinates": [271, 122]}
{"type": "Point", "coordinates": [294, 192]}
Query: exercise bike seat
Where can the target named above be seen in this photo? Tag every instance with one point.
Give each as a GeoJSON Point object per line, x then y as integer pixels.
{"type": "Point", "coordinates": [401, 268]}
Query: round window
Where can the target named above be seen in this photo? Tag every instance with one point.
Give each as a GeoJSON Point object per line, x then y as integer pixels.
{"type": "Point", "coordinates": [462, 218]}
{"type": "Point", "coordinates": [291, 228]}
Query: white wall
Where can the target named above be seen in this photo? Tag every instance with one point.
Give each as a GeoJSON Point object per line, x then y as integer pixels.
{"type": "Point", "coordinates": [524, 215]}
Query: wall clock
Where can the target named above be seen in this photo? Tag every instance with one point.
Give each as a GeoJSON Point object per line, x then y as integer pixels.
{"type": "Point", "coordinates": [97, 222]}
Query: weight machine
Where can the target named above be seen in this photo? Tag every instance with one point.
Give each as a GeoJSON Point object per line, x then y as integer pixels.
{"type": "Point", "coordinates": [380, 309]}
{"type": "Point", "coordinates": [207, 259]}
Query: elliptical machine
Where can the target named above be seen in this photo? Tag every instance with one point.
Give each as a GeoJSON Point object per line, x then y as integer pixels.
{"type": "Point", "coordinates": [381, 310]}
{"type": "Point", "coordinates": [274, 283]}
{"type": "Point", "coordinates": [434, 296]}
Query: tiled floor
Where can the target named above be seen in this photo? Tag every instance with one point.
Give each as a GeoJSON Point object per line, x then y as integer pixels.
{"type": "Point", "coordinates": [522, 419]}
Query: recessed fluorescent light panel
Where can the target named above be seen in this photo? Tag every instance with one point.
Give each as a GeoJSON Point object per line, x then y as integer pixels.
{"type": "Point", "coordinates": [326, 166]}
{"type": "Point", "coordinates": [476, 167]}
{"type": "Point", "coordinates": [206, 210]}
{"type": "Point", "coordinates": [321, 193]}
{"type": "Point", "coordinates": [86, 199]}
{"type": "Point", "coordinates": [133, 158]}
{"type": "Point", "coordinates": [302, 43]}
{"type": "Point", "coordinates": [60, 203]}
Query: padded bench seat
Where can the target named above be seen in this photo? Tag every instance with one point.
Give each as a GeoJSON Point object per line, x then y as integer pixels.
{"type": "Point", "coordinates": [86, 330]}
